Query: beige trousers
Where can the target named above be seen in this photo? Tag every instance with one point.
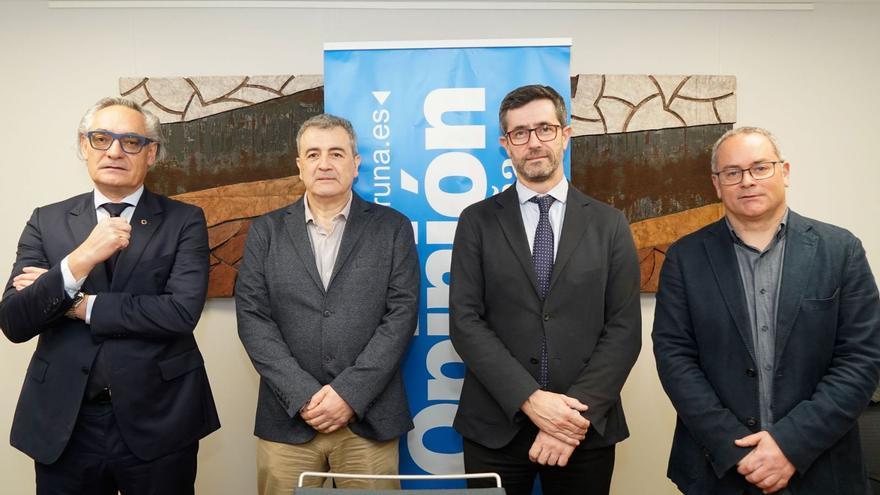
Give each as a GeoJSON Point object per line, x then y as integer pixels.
{"type": "Point", "coordinates": [280, 464]}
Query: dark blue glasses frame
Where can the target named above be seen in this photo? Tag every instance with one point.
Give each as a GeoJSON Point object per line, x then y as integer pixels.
{"type": "Point", "coordinates": [131, 143]}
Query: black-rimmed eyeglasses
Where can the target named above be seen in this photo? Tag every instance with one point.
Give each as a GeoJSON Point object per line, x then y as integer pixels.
{"type": "Point", "coordinates": [759, 171]}
{"type": "Point", "coordinates": [131, 143]}
{"type": "Point", "coordinates": [544, 132]}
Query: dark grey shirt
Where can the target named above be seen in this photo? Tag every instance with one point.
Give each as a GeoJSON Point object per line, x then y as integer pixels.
{"type": "Point", "coordinates": [761, 273]}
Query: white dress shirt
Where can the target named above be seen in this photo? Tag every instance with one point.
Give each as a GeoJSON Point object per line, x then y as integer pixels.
{"type": "Point", "coordinates": [72, 285]}
{"type": "Point", "coordinates": [531, 213]}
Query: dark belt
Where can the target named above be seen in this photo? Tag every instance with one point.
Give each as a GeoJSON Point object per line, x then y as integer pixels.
{"type": "Point", "coordinates": [102, 397]}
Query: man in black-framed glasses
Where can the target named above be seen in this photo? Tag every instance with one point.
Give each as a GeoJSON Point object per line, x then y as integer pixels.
{"type": "Point", "coordinates": [112, 283]}
{"type": "Point", "coordinates": [544, 312]}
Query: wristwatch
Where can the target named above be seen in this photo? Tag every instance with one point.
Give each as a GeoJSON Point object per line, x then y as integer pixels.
{"type": "Point", "coordinates": [78, 299]}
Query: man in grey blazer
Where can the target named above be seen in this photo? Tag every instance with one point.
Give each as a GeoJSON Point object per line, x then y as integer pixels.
{"type": "Point", "coordinates": [544, 312]}
{"type": "Point", "coordinates": [767, 339]}
{"type": "Point", "coordinates": [327, 300]}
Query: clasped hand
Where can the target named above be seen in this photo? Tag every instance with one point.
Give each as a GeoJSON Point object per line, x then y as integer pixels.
{"type": "Point", "coordinates": [326, 411]}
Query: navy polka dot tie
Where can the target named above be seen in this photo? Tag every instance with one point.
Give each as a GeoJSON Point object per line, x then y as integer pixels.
{"type": "Point", "coordinates": [542, 258]}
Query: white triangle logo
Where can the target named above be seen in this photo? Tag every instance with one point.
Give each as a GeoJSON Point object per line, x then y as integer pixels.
{"type": "Point", "coordinates": [381, 96]}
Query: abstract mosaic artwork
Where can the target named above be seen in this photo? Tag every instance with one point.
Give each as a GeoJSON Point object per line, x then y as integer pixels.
{"type": "Point", "coordinates": [640, 143]}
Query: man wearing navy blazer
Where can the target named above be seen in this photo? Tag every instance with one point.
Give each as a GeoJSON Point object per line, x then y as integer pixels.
{"type": "Point", "coordinates": [112, 283]}
{"type": "Point", "coordinates": [544, 312]}
{"type": "Point", "coordinates": [767, 339]}
{"type": "Point", "coordinates": [327, 300]}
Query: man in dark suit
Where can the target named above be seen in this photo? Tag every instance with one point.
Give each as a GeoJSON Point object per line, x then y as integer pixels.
{"type": "Point", "coordinates": [544, 312]}
{"type": "Point", "coordinates": [327, 300]}
{"type": "Point", "coordinates": [112, 283]}
{"type": "Point", "coordinates": [767, 339]}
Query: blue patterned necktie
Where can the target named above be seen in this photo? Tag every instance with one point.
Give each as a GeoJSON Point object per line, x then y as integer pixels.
{"type": "Point", "coordinates": [542, 259]}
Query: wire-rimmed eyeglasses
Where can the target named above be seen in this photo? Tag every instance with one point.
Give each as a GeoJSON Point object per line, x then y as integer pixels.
{"type": "Point", "coordinates": [759, 171]}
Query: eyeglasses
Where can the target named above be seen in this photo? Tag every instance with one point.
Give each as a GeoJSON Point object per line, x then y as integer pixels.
{"type": "Point", "coordinates": [131, 143]}
{"type": "Point", "coordinates": [759, 171]}
{"type": "Point", "coordinates": [544, 133]}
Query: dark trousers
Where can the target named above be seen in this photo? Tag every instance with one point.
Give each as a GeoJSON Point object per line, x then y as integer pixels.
{"type": "Point", "coordinates": [96, 461]}
{"type": "Point", "coordinates": [588, 472]}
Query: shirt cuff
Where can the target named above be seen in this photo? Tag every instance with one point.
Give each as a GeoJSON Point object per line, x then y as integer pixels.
{"type": "Point", "coordinates": [71, 285]}
{"type": "Point", "coordinates": [90, 303]}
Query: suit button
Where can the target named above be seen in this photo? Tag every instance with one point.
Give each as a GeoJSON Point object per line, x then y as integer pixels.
{"type": "Point", "coordinates": [533, 360]}
{"type": "Point", "coordinates": [85, 370]}
{"type": "Point", "coordinates": [328, 358]}
{"type": "Point", "coordinates": [326, 313]}
{"type": "Point", "coordinates": [547, 317]}
{"type": "Point", "coordinates": [751, 422]}
{"type": "Point", "coordinates": [750, 372]}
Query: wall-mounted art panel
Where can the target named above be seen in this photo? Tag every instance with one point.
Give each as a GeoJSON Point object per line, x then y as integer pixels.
{"type": "Point", "coordinates": [641, 143]}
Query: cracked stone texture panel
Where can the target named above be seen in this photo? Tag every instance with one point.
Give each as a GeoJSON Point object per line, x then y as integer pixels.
{"type": "Point", "coordinates": [669, 84]}
{"type": "Point", "coordinates": [212, 88]}
{"type": "Point", "coordinates": [255, 142]}
{"type": "Point", "coordinates": [302, 83]}
{"type": "Point", "coordinates": [726, 108]}
{"type": "Point", "coordinates": [647, 174]}
{"type": "Point", "coordinates": [666, 101]}
{"type": "Point", "coordinates": [169, 93]}
{"type": "Point", "coordinates": [188, 98]}
{"type": "Point", "coordinates": [615, 113]}
{"type": "Point", "coordinates": [695, 112]}
{"type": "Point", "coordinates": [586, 91]}
{"type": "Point", "coordinates": [274, 82]}
{"type": "Point", "coordinates": [652, 115]}
{"type": "Point", "coordinates": [632, 88]}
{"type": "Point", "coordinates": [708, 87]}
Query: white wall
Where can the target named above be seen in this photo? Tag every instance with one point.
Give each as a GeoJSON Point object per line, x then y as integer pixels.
{"type": "Point", "coordinates": [808, 75]}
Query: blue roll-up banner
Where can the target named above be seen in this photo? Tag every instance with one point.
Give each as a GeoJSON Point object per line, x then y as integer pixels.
{"type": "Point", "coordinates": [426, 116]}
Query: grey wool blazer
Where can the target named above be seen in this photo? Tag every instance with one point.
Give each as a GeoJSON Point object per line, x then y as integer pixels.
{"type": "Point", "coordinates": [352, 336]}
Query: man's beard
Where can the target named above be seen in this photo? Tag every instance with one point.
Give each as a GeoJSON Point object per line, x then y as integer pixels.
{"type": "Point", "coordinates": [537, 174]}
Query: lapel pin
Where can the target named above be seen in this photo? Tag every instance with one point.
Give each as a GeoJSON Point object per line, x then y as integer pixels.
{"type": "Point", "coordinates": [144, 221]}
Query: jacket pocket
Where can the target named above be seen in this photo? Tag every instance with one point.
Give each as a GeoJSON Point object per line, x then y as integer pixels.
{"type": "Point", "coordinates": [821, 304]}
{"type": "Point", "coordinates": [181, 364]}
{"type": "Point", "coordinates": [37, 369]}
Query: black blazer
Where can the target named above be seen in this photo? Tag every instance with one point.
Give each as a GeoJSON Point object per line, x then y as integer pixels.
{"type": "Point", "coordinates": [161, 397]}
{"type": "Point", "coordinates": [827, 356]}
{"type": "Point", "coordinates": [591, 316]}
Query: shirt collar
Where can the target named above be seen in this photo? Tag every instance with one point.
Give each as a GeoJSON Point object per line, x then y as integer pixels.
{"type": "Point", "coordinates": [559, 192]}
{"type": "Point", "coordinates": [780, 232]}
{"type": "Point", "coordinates": [342, 213]}
{"type": "Point", "coordinates": [131, 199]}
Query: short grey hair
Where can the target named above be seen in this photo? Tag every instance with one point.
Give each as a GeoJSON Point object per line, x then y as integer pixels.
{"type": "Point", "coordinates": [152, 126]}
{"type": "Point", "coordinates": [744, 130]}
{"type": "Point", "coordinates": [328, 121]}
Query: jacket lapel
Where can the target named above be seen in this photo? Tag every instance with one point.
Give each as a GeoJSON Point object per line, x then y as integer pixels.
{"type": "Point", "coordinates": [510, 218]}
{"type": "Point", "coordinates": [296, 227]}
{"type": "Point", "coordinates": [797, 265]}
{"type": "Point", "coordinates": [82, 219]}
{"type": "Point", "coordinates": [722, 258]}
{"type": "Point", "coordinates": [146, 219]}
{"type": "Point", "coordinates": [574, 224]}
{"type": "Point", "coordinates": [359, 216]}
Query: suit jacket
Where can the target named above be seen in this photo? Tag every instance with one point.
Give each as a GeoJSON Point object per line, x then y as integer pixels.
{"type": "Point", "coordinates": [827, 356]}
{"type": "Point", "coordinates": [590, 316]}
{"type": "Point", "coordinates": [161, 397]}
{"type": "Point", "coordinates": [352, 335]}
